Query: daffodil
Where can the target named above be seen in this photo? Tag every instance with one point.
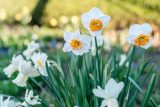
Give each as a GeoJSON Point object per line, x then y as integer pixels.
{"type": "Point", "coordinates": [139, 35]}
{"type": "Point", "coordinates": [123, 58]}
{"type": "Point", "coordinates": [77, 43]}
{"type": "Point", "coordinates": [11, 68]}
{"type": "Point", "coordinates": [31, 48]}
{"type": "Point", "coordinates": [95, 21]}
{"type": "Point", "coordinates": [110, 93]}
{"type": "Point", "coordinates": [26, 70]}
{"type": "Point", "coordinates": [39, 60]}
{"type": "Point", "coordinates": [30, 99]}
{"type": "Point", "coordinates": [8, 102]}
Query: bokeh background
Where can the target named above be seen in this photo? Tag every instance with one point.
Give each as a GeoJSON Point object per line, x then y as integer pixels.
{"type": "Point", "coordinates": [46, 20]}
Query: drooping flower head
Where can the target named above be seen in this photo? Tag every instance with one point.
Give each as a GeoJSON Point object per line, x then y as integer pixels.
{"type": "Point", "coordinates": [77, 43]}
{"type": "Point", "coordinates": [11, 68]}
{"type": "Point", "coordinates": [39, 59]}
{"type": "Point", "coordinates": [26, 70]}
{"type": "Point", "coordinates": [110, 93]}
{"type": "Point", "coordinates": [139, 35]}
{"type": "Point", "coordinates": [8, 102]}
{"type": "Point", "coordinates": [95, 21]}
{"type": "Point", "coordinates": [30, 99]}
{"type": "Point", "coordinates": [31, 48]}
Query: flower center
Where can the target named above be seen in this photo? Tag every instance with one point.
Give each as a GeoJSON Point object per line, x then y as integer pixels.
{"type": "Point", "coordinates": [95, 25]}
{"type": "Point", "coordinates": [40, 64]}
{"type": "Point", "coordinates": [76, 44]}
{"type": "Point", "coordinates": [141, 40]}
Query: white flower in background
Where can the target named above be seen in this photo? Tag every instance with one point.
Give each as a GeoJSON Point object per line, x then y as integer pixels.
{"type": "Point", "coordinates": [139, 34]}
{"type": "Point", "coordinates": [31, 48]}
{"type": "Point", "coordinates": [77, 43]}
{"type": "Point", "coordinates": [107, 44]}
{"type": "Point", "coordinates": [95, 21]}
{"type": "Point", "coordinates": [26, 70]}
{"type": "Point", "coordinates": [110, 93]}
{"type": "Point", "coordinates": [30, 99]}
{"type": "Point", "coordinates": [8, 103]}
{"type": "Point", "coordinates": [123, 58]}
{"type": "Point", "coordinates": [11, 68]}
{"type": "Point", "coordinates": [39, 60]}
{"type": "Point", "coordinates": [99, 40]}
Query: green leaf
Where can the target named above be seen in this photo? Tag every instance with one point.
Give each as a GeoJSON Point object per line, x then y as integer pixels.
{"type": "Point", "coordinates": [149, 91]}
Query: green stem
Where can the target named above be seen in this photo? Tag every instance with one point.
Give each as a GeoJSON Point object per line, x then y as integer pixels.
{"type": "Point", "coordinates": [126, 79]}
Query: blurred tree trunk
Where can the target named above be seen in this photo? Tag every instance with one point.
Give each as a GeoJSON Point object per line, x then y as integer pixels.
{"type": "Point", "coordinates": [37, 13]}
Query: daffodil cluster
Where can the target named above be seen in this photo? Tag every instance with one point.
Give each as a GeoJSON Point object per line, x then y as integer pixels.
{"type": "Point", "coordinates": [84, 84]}
{"type": "Point", "coordinates": [30, 64]}
{"type": "Point", "coordinates": [29, 99]}
{"type": "Point", "coordinates": [94, 21]}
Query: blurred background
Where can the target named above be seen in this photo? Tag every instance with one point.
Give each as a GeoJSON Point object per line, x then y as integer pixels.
{"type": "Point", "coordinates": [46, 20]}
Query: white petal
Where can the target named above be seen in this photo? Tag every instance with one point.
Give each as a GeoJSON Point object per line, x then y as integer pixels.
{"type": "Point", "coordinates": [146, 29]}
{"type": "Point", "coordinates": [148, 44]}
{"type": "Point", "coordinates": [96, 12]}
{"type": "Point", "coordinates": [104, 103]}
{"type": "Point", "coordinates": [16, 60]}
{"type": "Point", "coordinates": [122, 59]}
{"type": "Point", "coordinates": [20, 80]}
{"type": "Point", "coordinates": [68, 36]}
{"type": "Point", "coordinates": [30, 99]}
{"type": "Point", "coordinates": [28, 53]}
{"type": "Point", "coordinates": [99, 93]}
{"type": "Point", "coordinates": [86, 18]}
{"type": "Point", "coordinates": [96, 33]}
{"type": "Point", "coordinates": [9, 70]}
{"type": "Point", "coordinates": [67, 47]}
{"type": "Point", "coordinates": [134, 30]}
{"type": "Point", "coordinates": [105, 19]}
{"type": "Point", "coordinates": [43, 71]}
{"type": "Point", "coordinates": [112, 103]}
{"type": "Point", "coordinates": [137, 29]}
{"type": "Point", "coordinates": [113, 88]}
{"type": "Point", "coordinates": [43, 58]}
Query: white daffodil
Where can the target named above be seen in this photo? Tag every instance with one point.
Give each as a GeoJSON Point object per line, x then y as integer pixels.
{"type": "Point", "coordinates": [139, 34]}
{"type": "Point", "coordinates": [99, 40]}
{"type": "Point", "coordinates": [123, 58]}
{"type": "Point", "coordinates": [30, 99]}
{"type": "Point", "coordinates": [8, 102]}
{"type": "Point", "coordinates": [39, 60]}
{"type": "Point", "coordinates": [110, 93]}
{"type": "Point", "coordinates": [95, 21]}
{"type": "Point", "coordinates": [107, 44]}
{"type": "Point", "coordinates": [11, 68]}
{"type": "Point", "coordinates": [31, 48]}
{"type": "Point", "coordinates": [77, 43]}
{"type": "Point", "coordinates": [26, 70]}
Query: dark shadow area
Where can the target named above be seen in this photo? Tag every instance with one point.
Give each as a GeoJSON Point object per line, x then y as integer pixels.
{"type": "Point", "coordinates": [38, 12]}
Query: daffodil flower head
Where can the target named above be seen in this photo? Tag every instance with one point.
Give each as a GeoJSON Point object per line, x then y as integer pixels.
{"type": "Point", "coordinates": [39, 59]}
{"type": "Point", "coordinates": [77, 43]}
{"type": "Point", "coordinates": [26, 70]}
{"type": "Point", "coordinates": [11, 68]}
{"type": "Point", "coordinates": [8, 102]}
{"type": "Point", "coordinates": [139, 35]}
{"type": "Point", "coordinates": [31, 48]}
{"type": "Point", "coordinates": [110, 93]}
{"type": "Point", "coordinates": [95, 21]}
{"type": "Point", "coordinates": [30, 99]}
